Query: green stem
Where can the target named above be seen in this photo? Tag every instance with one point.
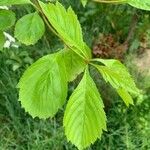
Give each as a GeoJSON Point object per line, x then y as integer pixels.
{"type": "Point", "coordinates": [36, 5]}
{"type": "Point", "coordinates": [95, 59]}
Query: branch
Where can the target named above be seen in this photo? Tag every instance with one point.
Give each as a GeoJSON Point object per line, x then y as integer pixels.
{"type": "Point", "coordinates": [132, 28]}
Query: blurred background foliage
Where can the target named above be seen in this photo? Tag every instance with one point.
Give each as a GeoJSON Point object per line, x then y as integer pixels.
{"type": "Point", "coordinates": [112, 31]}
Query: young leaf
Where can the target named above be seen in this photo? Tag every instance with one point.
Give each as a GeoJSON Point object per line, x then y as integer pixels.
{"type": "Point", "coordinates": [29, 29]}
{"type": "Point", "coordinates": [7, 19]}
{"type": "Point", "coordinates": [84, 117]}
{"type": "Point", "coordinates": [117, 75]}
{"type": "Point", "coordinates": [66, 24]}
{"type": "Point", "coordinates": [74, 64]}
{"type": "Point", "coordinates": [13, 2]}
{"type": "Point", "coordinates": [43, 86]}
{"type": "Point", "coordinates": [2, 40]}
{"type": "Point", "coordinates": [141, 4]}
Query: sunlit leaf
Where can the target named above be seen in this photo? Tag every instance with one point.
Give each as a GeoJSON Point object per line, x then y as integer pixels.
{"type": "Point", "coordinates": [7, 19]}
{"type": "Point", "coordinates": [43, 86]}
{"type": "Point", "coordinates": [74, 64]}
{"type": "Point", "coordinates": [66, 24]}
{"type": "Point", "coordinates": [117, 75]}
{"type": "Point", "coordinates": [13, 2]}
{"type": "Point", "coordinates": [84, 117]}
{"type": "Point", "coordinates": [29, 29]}
{"type": "Point", "coordinates": [125, 96]}
{"type": "Point", "coordinates": [141, 4]}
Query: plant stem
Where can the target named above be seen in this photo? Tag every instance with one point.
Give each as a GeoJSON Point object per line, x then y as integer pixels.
{"type": "Point", "coordinates": [38, 8]}
{"type": "Point", "coordinates": [95, 59]}
{"type": "Point", "coordinates": [132, 27]}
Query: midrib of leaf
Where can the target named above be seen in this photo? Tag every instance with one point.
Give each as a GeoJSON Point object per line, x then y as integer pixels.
{"type": "Point", "coordinates": [84, 110]}
{"type": "Point", "coordinates": [86, 95]}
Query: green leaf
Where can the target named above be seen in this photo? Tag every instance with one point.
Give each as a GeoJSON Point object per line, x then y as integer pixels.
{"type": "Point", "coordinates": [84, 2]}
{"type": "Point", "coordinates": [67, 26]}
{"type": "Point", "coordinates": [43, 86]}
{"type": "Point", "coordinates": [7, 19]}
{"type": "Point", "coordinates": [141, 4]}
{"type": "Point", "coordinates": [84, 117]}
{"type": "Point", "coordinates": [29, 29]}
{"type": "Point", "coordinates": [13, 2]}
{"type": "Point", "coordinates": [74, 64]}
{"type": "Point", "coordinates": [112, 1]}
{"type": "Point", "coordinates": [2, 40]}
{"type": "Point", "coordinates": [125, 96]}
{"type": "Point", "coordinates": [117, 75]}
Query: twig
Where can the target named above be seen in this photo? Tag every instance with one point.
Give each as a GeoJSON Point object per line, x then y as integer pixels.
{"type": "Point", "coordinates": [132, 28]}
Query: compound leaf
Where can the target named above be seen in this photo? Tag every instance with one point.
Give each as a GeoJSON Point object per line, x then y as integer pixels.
{"type": "Point", "coordinates": [66, 24]}
{"type": "Point", "coordinates": [141, 4]}
{"type": "Point", "coordinates": [84, 117]}
{"type": "Point", "coordinates": [43, 86]}
{"type": "Point", "coordinates": [117, 75]}
{"type": "Point", "coordinates": [2, 40]}
{"type": "Point", "coordinates": [29, 29]}
{"type": "Point", "coordinates": [74, 64]}
{"type": "Point", "coordinates": [7, 19]}
{"type": "Point", "coordinates": [13, 2]}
